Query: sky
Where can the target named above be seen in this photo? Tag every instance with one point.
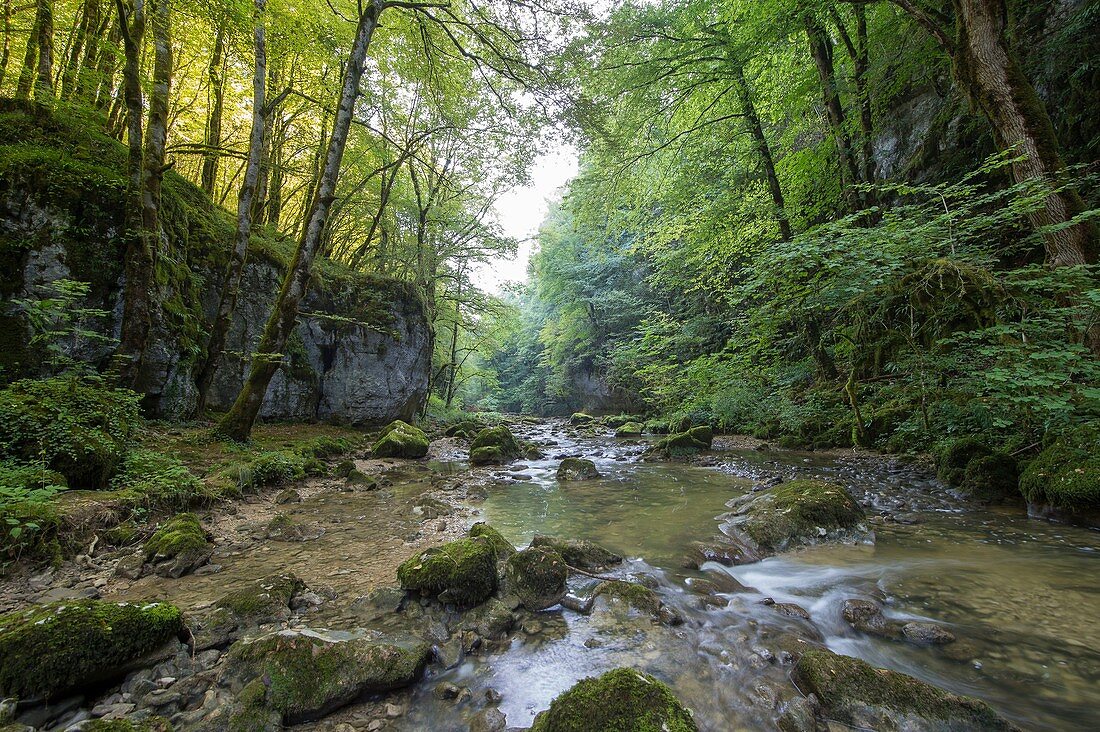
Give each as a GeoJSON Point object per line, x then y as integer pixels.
{"type": "Point", "coordinates": [521, 212]}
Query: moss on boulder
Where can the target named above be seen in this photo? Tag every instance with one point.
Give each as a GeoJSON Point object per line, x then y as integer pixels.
{"type": "Point", "coordinates": [580, 418]}
{"type": "Point", "coordinates": [151, 724]}
{"type": "Point", "coordinates": [799, 512]}
{"type": "Point", "coordinates": [630, 429]}
{"type": "Point", "coordinates": [579, 553]}
{"type": "Point", "coordinates": [952, 460]}
{"type": "Point", "coordinates": [1066, 474]}
{"type": "Point", "coordinates": [577, 469]}
{"type": "Point", "coordinates": [401, 440]}
{"type": "Point", "coordinates": [494, 446]}
{"type": "Point", "coordinates": [179, 546]}
{"type": "Point", "coordinates": [991, 478]}
{"type": "Point", "coordinates": [49, 650]}
{"type": "Point", "coordinates": [863, 696]}
{"type": "Point", "coordinates": [501, 546]}
{"type": "Point", "coordinates": [619, 700]}
{"type": "Point", "coordinates": [462, 572]}
{"type": "Point", "coordinates": [264, 601]}
{"type": "Point", "coordinates": [695, 439]}
{"type": "Point", "coordinates": [301, 675]}
{"type": "Point", "coordinates": [537, 577]}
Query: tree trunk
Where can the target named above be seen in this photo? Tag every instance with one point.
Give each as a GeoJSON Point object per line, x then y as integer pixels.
{"type": "Point", "coordinates": [85, 72]}
{"type": "Point", "coordinates": [237, 424]}
{"type": "Point", "coordinates": [215, 74]}
{"type": "Point", "coordinates": [756, 129]}
{"type": "Point", "coordinates": [232, 287]}
{"type": "Point", "coordinates": [991, 76]}
{"type": "Point", "coordinates": [105, 68]}
{"type": "Point", "coordinates": [30, 55]}
{"type": "Point", "coordinates": [156, 130]}
{"type": "Point", "coordinates": [821, 48]}
{"type": "Point", "coordinates": [89, 17]}
{"type": "Point", "coordinates": [43, 87]}
{"type": "Point", "coordinates": [5, 51]}
{"type": "Point", "coordinates": [275, 183]}
{"type": "Point", "coordinates": [138, 267]}
{"type": "Point", "coordinates": [862, 62]}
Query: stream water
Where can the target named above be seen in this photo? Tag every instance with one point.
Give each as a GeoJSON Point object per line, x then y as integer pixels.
{"type": "Point", "coordinates": [1021, 595]}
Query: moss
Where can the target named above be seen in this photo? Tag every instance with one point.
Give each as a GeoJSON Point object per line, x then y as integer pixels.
{"type": "Point", "coordinates": [263, 601]}
{"type": "Point", "coordinates": [401, 440]}
{"type": "Point", "coordinates": [344, 469]}
{"type": "Point", "coordinates": [656, 427]}
{"type": "Point", "coordinates": [952, 460]}
{"type": "Point", "coordinates": [844, 684]}
{"type": "Point", "coordinates": [792, 513]}
{"type": "Point", "coordinates": [623, 700]}
{"type": "Point", "coordinates": [494, 445]}
{"type": "Point", "coordinates": [181, 536]}
{"type": "Point", "coordinates": [580, 418]}
{"type": "Point", "coordinates": [579, 553]}
{"type": "Point", "coordinates": [577, 469]}
{"type": "Point", "coordinates": [689, 441]}
{"type": "Point", "coordinates": [152, 724]}
{"type": "Point", "coordinates": [462, 572]}
{"type": "Point", "coordinates": [1066, 474]}
{"type": "Point", "coordinates": [51, 649]}
{"type": "Point", "coordinates": [630, 429]}
{"type": "Point", "coordinates": [306, 675]}
{"type": "Point", "coordinates": [537, 577]}
{"type": "Point", "coordinates": [993, 477]}
{"type": "Point", "coordinates": [501, 546]}
{"type": "Point", "coordinates": [637, 596]}
{"type": "Point", "coordinates": [80, 428]}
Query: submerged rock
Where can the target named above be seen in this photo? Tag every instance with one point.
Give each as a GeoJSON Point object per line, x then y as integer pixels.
{"type": "Point", "coordinates": [300, 675]}
{"type": "Point", "coordinates": [798, 513]}
{"type": "Point", "coordinates": [494, 446]}
{"type": "Point", "coordinates": [637, 597]}
{"type": "Point", "coordinates": [178, 547]}
{"type": "Point", "coordinates": [284, 528]}
{"type": "Point", "coordinates": [722, 550]}
{"type": "Point", "coordinates": [577, 469]}
{"type": "Point", "coordinates": [623, 699]}
{"type": "Point", "coordinates": [867, 617]}
{"type": "Point", "coordinates": [856, 693]}
{"type": "Point", "coordinates": [537, 577]}
{"type": "Point", "coordinates": [401, 440]}
{"type": "Point", "coordinates": [462, 572]}
{"type": "Point", "coordinates": [579, 553]}
{"type": "Point", "coordinates": [51, 649]}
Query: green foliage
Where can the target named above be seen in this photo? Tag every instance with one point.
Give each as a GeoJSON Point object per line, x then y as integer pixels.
{"type": "Point", "coordinates": [62, 324]}
{"type": "Point", "coordinates": [152, 481]}
{"type": "Point", "coordinates": [623, 699]}
{"type": "Point", "coordinates": [28, 521]}
{"type": "Point", "coordinates": [1066, 474]}
{"type": "Point", "coordinates": [76, 426]}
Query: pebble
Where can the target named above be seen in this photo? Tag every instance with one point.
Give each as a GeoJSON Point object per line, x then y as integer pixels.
{"type": "Point", "coordinates": [393, 711]}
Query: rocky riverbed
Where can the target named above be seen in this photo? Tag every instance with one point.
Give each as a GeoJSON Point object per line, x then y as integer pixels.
{"type": "Point", "coordinates": [732, 575]}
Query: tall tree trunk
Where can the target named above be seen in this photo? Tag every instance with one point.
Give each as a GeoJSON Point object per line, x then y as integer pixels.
{"type": "Point", "coordinates": [92, 43]}
{"type": "Point", "coordinates": [275, 182]}
{"type": "Point", "coordinates": [138, 268]}
{"type": "Point", "coordinates": [821, 48]}
{"type": "Point", "coordinates": [237, 424]}
{"type": "Point", "coordinates": [991, 75]}
{"type": "Point", "coordinates": [43, 87]}
{"type": "Point", "coordinates": [866, 120]}
{"type": "Point", "coordinates": [235, 270]}
{"type": "Point", "coordinates": [105, 68]}
{"type": "Point", "coordinates": [156, 130]}
{"type": "Point", "coordinates": [215, 74]}
{"type": "Point", "coordinates": [767, 161]}
{"type": "Point", "coordinates": [30, 55]}
{"type": "Point", "coordinates": [88, 20]}
{"type": "Point", "coordinates": [5, 51]}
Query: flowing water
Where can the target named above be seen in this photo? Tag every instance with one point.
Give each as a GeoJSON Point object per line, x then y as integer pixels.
{"type": "Point", "coordinates": [1021, 595]}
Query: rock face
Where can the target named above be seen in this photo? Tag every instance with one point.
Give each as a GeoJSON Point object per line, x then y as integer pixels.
{"type": "Point", "coordinates": [52, 649]}
{"type": "Point", "coordinates": [300, 675]}
{"type": "Point", "coordinates": [623, 699]}
{"type": "Point", "coordinates": [858, 694]}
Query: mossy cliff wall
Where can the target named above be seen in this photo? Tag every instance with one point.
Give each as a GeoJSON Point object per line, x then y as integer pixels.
{"type": "Point", "coordinates": [362, 348]}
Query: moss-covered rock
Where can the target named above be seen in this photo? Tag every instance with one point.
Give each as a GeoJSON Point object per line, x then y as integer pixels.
{"type": "Point", "coordinates": [796, 513]}
{"type": "Point", "coordinates": [401, 440]}
{"type": "Point", "coordinates": [179, 546]}
{"type": "Point", "coordinates": [580, 418]}
{"type": "Point", "coordinates": [501, 546]}
{"type": "Point", "coordinates": [618, 701]}
{"type": "Point", "coordinates": [630, 429]}
{"type": "Point", "coordinates": [304, 674]}
{"type": "Point", "coordinates": [992, 478]}
{"type": "Point", "coordinates": [639, 597]}
{"type": "Point", "coordinates": [79, 428]}
{"type": "Point", "coordinates": [537, 577]}
{"type": "Point", "coordinates": [494, 446]}
{"type": "Point", "coordinates": [467, 429]}
{"type": "Point", "coordinates": [1065, 476]}
{"type": "Point", "coordinates": [858, 694]}
{"type": "Point", "coordinates": [579, 553]}
{"type": "Point", "coordinates": [462, 572]}
{"type": "Point", "coordinates": [51, 649]}
{"type": "Point", "coordinates": [577, 469]}
{"type": "Point", "coordinates": [690, 441]}
{"type": "Point", "coordinates": [151, 724]}
{"type": "Point", "coordinates": [951, 461]}
{"type": "Point", "coordinates": [264, 601]}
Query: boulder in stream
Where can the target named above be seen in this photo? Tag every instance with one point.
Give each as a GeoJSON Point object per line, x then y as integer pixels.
{"type": "Point", "coordinates": [500, 545]}
{"type": "Point", "coordinates": [634, 596]}
{"type": "Point", "coordinates": [579, 553]}
{"type": "Point", "coordinates": [630, 429]}
{"type": "Point", "coordinates": [494, 446]}
{"type": "Point", "coordinates": [577, 469]}
{"type": "Point", "coordinates": [537, 576]}
{"type": "Point", "coordinates": [296, 676]}
{"type": "Point", "coordinates": [623, 699]}
{"type": "Point", "coordinates": [858, 694]}
{"type": "Point", "coordinates": [264, 602]}
{"type": "Point", "coordinates": [178, 547]}
{"type": "Point", "coordinates": [867, 617]}
{"type": "Point", "coordinates": [692, 440]}
{"type": "Point", "coordinates": [401, 440]}
{"type": "Point", "coordinates": [48, 650]}
{"type": "Point", "coordinates": [798, 513]}
{"type": "Point", "coordinates": [462, 572]}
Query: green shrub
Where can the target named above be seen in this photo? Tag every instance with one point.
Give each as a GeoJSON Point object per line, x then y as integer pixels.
{"type": "Point", "coordinates": [275, 468]}
{"type": "Point", "coordinates": [78, 427]}
{"type": "Point", "coordinates": [153, 481]}
{"type": "Point", "coordinates": [29, 524]}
